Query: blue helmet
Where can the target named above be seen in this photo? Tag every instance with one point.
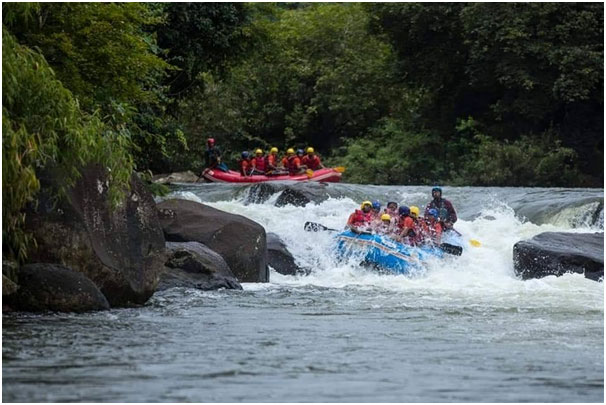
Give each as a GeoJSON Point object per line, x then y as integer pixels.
{"type": "Point", "coordinates": [376, 205]}
{"type": "Point", "coordinates": [244, 154]}
{"type": "Point", "coordinates": [437, 188]}
{"type": "Point", "coordinates": [404, 210]}
{"type": "Point", "coordinates": [300, 152]}
{"type": "Point", "coordinates": [433, 212]}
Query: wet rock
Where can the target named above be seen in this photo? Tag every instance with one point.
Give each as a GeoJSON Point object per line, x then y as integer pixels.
{"type": "Point", "coordinates": [120, 248]}
{"type": "Point", "coordinates": [279, 257]}
{"type": "Point", "coordinates": [193, 265]}
{"type": "Point", "coordinates": [259, 193]}
{"type": "Point", "coordinates": [53, 287]}
{"type": "Point", "coordinates": [301, 194]}
{"type": "Point", "coordinates": [556, 253]}
{"type": "Point", "coordinates": [240, 241]}
{"type": "Point", "coordinates": [177, 177]}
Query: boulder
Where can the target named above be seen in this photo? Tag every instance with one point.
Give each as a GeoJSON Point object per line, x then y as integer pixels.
{"type": "Point", "coordinates": [240, 241]}
{"type": "Point", "coordinates": [193, 265]}
{"type": "Point", "coordinates": [556, 253]}
{"type": "Point", "coordinates": [301, 194]}
{"type": "Point", "coordinates": [260, 192]}
{"type": "Point", "coordinates": [120, 248]}
{"type": "Point", "coordinates": [177, 177]}
{"type": "Point", "coordinates": [53, 287]}
{"type": "Point", "coordinates": [279, 257]}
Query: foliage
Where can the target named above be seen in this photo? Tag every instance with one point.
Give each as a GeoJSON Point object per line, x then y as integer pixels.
{"type": "Point", "coordinates": [312, 80]}
{"type": "Point", "coordinates": [43, 127]}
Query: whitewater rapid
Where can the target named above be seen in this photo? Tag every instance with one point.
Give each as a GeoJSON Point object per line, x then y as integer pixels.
{"type": "Point", "coordinates": [481, 276]}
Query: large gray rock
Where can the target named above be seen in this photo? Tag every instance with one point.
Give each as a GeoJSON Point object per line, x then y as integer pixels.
{"type": "Point", "coordinates": [120, 248]}
{"type": "Point", "coordinates": [556, 253]}
{"type": "Point", "coordinates": [240, 241]}
{"type": "Point", "coordinates": [279, 257]}
{"type": "Point", "coordinates": [177, 177]}
{"type": "Point", "coordinates": [301, 194]}
{"type": "Point", "coordinates": [193, 265]}
{"type": "Point", "coordinates": [52, 287]}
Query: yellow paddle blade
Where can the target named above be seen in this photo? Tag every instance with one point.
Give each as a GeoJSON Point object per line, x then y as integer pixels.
{"type": "Point", "coordinates": [475, 242]}
{"type": "Point", "coordinates": [309, 173]}
{"type": "Point", "coordinates": [339, 169]}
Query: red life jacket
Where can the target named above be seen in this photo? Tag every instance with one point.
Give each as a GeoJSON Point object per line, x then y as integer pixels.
{"type": "Point", "coordinates": [293, 164]}
{"type": "Point", "coordinates": [312, 162]}
{"type": "Point", "coordinates": [359, 217]}
{"type": "Point", "coordinates": [259, 163]}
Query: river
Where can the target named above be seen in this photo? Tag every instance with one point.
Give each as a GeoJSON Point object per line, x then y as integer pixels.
{"type": "Point", "coordinates": [464, 330]}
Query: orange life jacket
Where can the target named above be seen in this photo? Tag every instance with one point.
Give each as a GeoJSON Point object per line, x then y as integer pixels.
{"type": "Point", "coordinates": [245, 166]}
{"type": "Point", "coordinates": [293, 164]}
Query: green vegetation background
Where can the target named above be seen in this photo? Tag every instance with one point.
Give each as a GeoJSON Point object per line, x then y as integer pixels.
{"type": "Point", "coordinates": [502, 94]}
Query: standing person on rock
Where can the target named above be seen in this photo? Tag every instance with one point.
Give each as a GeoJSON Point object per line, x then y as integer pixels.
{"type": "Point", "coordinates": [212, 156]}
{"type": "Point", "coordinates": [446, 212]}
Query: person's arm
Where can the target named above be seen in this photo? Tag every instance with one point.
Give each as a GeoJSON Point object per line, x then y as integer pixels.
{"type": "Point", "coordinates": [320, 165]}
{"type": "Point", "coordinates": [452, 215]}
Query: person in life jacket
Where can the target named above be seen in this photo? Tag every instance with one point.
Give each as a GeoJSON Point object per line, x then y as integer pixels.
{"type": "Point", "coordinates": [294, 163]}
{"type": "Point", "coordinates": [446, 212]}
{"type": "Point", "coordinates": [406, 226]}
{"type": "Point", "coordinates": [392, 209]}
{"type": "Point", "coordinates": [432, 230]}
{"type": "Point", "coordinates": [245, 163]}
{"type": "Point", "coordinates": [272, 161]}
{"type": "Point", "coordinates": [258, 162]}
{"type": "Point", "coordinates": [212, 156]}
{"type": "Point", "coordinates": [386, 227]}
{"type": "Point", "coordinates": [311, 160]}
{"type": "Point", "coordinates": [359, 221]}
{"type": "Point", "coordinates": [289, 153]}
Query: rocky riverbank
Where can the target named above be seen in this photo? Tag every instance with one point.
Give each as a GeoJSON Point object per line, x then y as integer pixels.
{"type": "Point", "coordinates": [92, 255]}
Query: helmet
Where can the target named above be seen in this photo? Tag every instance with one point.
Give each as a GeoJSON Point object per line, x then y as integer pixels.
{"type": "Point", "coordinates": [433, 213]}
{"type": "Point", "coordinates": [244, 154]}
{"type": "Point", "coordinates": [273, 150]}
{"type": "Point", "coordinates": [300, 152]}
{"type": "Point", "coordinates": [414, 210]}
{"type": "Point", "coordinates": [376, 205]}
{"type": "Point", "coordinates": [404, 210]}
{"type": "Point", "coordinates": [210, 141]}
{"type": "Point", "coordinates": [436, 188]}
{"type": "Point", "coordinates": [385, 217]}
{"type": "Point", "coordinates": [258, 152]}
{"type": "Point", "coordinates": [290, 151]}
{"type": "Point", "coordinates": [365, 203]}
{"type": "Point", "coordinates": [310, 150]}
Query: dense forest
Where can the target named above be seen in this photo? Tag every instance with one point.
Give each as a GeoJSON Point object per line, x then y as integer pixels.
{"type": "Point", "coordinates": [503, 94]}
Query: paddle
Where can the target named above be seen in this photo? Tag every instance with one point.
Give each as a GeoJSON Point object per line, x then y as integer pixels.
{"type": "Point", "coordinates": [339, 169]}
{"type": "Point", "coordinates": [451, 249]}
{"type": "Point", "coordinates": [315, 227]}
{"type": "Point", "coordinates": [309, 173]}
{"type": "Point", "coordinates": [472, 242]}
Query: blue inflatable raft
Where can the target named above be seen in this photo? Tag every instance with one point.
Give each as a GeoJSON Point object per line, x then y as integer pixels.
{"type": "Point", "coordinates": [386, 254]}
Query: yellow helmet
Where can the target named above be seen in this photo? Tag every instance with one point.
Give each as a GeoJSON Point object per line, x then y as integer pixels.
{"type": "Point", "coordinates": [273, 150]}
{"type": "Point", "coordinates": [310, 150]}
{"type": "Point", "coordinates": [414, 210]}
{"type": "Point", "coordinates": [258, 152]}
{"type": "Point", "coordinates": [290, 151]}
{"type": "Point", "coordinates": [365, 203]}
{"type": "Point", "coordinates": [385, 217]}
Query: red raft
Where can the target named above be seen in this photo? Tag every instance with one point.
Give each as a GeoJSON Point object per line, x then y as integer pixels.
{"type": "Point", "coordinates": [331, 175]}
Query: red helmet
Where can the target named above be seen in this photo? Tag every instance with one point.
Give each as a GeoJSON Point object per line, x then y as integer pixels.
{"type": "Point", "coordinates": [211, 141]}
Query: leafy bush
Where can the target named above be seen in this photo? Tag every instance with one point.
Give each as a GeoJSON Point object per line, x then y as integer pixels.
{"type": "Point", "coordinates": [43, 127]}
